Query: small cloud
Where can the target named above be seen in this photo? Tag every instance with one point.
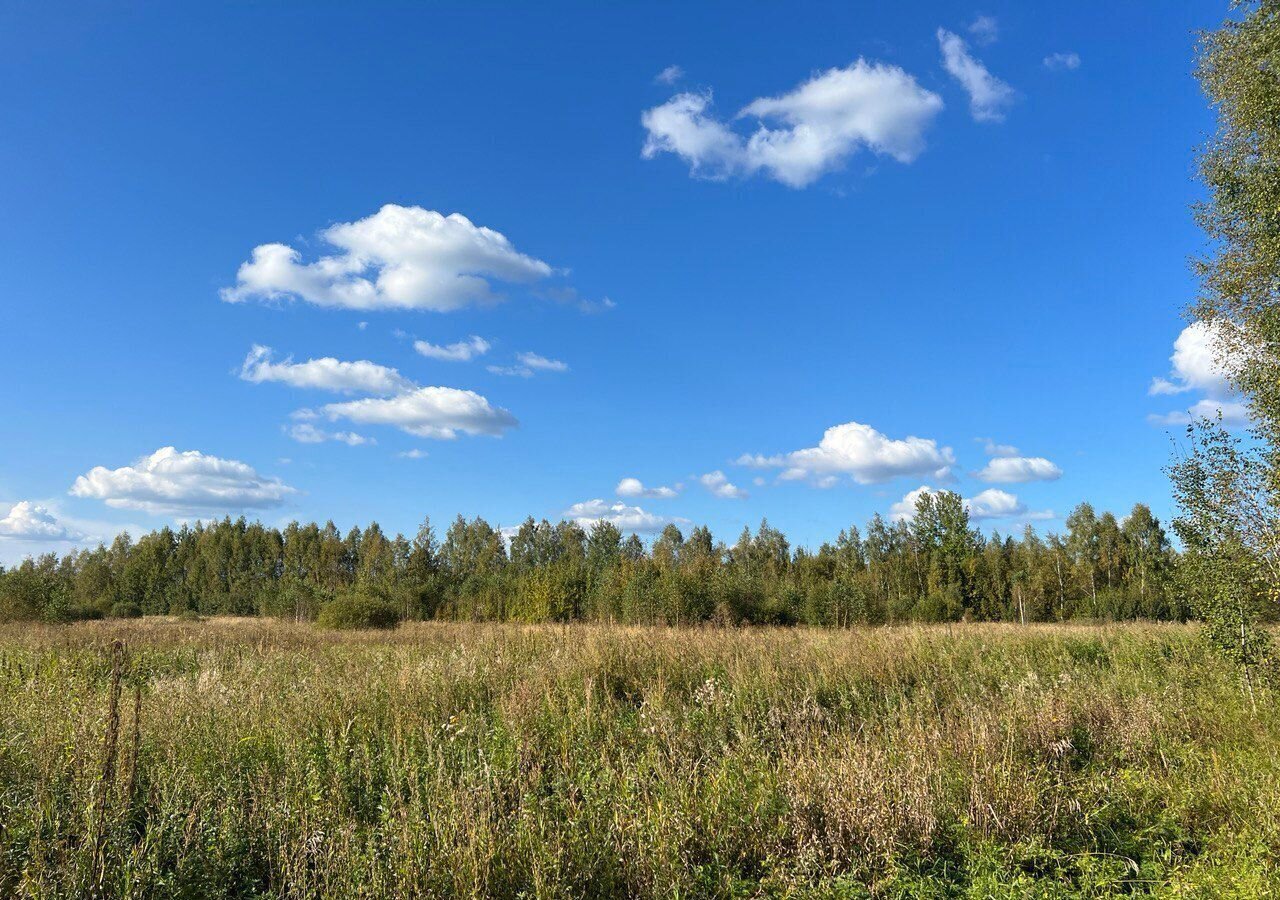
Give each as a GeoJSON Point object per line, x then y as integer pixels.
{"type": "Point", "coordinates": [326, 374]}
{"type": "Point", "coordinates": [670, 75]}
{"type": "Point", "coordinates": [988, 95]}
{"type": "Point", "coordinates": [569, 296]}
{"type": "Point", "coordinates": [719, 485]}
{"type": "Point", "coordinates": [462, 351]}
{"type": "Point", "coordinates": [415, 453]}
{"type": "Point", "coordinates": [985, 30]}
{"type": "Point", "coordinates": [306, 433]}
{"type": "Point", "coordinates": [528, 365]}
{"type": "Point", "coordinates": [1062, 62]}
{"type": "Point", "coordinates": [633, 487]}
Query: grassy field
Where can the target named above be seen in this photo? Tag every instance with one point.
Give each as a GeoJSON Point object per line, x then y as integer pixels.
{"type": "Point", "coordinates": [452, 760]}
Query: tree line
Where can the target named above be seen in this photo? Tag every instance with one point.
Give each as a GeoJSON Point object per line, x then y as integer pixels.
{"type": "Point", "coordinates": [935, 567]}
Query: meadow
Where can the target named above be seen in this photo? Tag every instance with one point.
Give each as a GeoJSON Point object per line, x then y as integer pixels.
{"type": "Point", "coordinates": [253, 758]}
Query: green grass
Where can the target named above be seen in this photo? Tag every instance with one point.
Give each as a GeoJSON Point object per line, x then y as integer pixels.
{"type": "Point", "coordinates": [454, 760]}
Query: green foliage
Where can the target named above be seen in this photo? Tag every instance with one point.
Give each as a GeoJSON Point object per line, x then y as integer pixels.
{"type": "Point", "coordinates": [934, 568]}
{"type": "Point", "coordinates": [355, 612]}
{"type": "Point", "coordinates": [125, 610]}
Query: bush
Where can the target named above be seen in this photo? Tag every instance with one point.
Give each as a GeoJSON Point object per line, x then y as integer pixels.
{"type": "Point", "coordinates": [82, 613]}
{"type": "Point", "coordinates": [358, 612]}
{"type": "Point", "coordinates": [125, 610]}
{"type": "Point", "coordinates": [189, 615]}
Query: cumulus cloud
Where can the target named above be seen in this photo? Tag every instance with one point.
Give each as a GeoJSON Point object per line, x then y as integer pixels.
{"type": "Point", "coordinates": [173, 481]}
{"type": "Point", "coordinates": [622, 516]}
{"type": "Point", "coordinates": [719, 485]}
{"type": "Point", "coordinates": [1062, 62]}
{"type": "Point", "coordinates": [306, 433]}
{"type": "Point", "coordinates": [985, 30]}
{"type": "Point", "coordinates": [801, 135]}
{"type": "Point", "coordinates": [1007, 466]}
{"type": "Point", "coordinates": [862, 453]}
{"type": "Point", "coordinates": [329, 374]}
{"type": "Point", "coordinates": [528, 365]}
{"type": "Point", "coordinates": [429, 412]}
{"type": "Point", "coordinates": [1200, 363]}
{"type": "Point", "coordinates": [634, 487]}
{"type": "Point", "coordinates": [992, 503]}
{"type": "Point", "coordinates": [401, 257]}
{"type": "Point", "coordinates": [1197, 364]}
{"type": "Point", "coordinates": [462, 351]}
{"type": "Point", "coordinates": [28, 521]}
{"type": "Point", "coordinates": [670, 75]}
{"type": "Point", "coordinates": [988, 95]}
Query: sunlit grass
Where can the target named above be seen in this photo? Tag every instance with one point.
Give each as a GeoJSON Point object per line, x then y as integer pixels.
{"type": "Point", "coordinates": [483, 760]}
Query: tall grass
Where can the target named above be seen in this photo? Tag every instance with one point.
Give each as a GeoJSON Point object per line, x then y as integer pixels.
{"type": "Point", "coordinates": [457, 760]}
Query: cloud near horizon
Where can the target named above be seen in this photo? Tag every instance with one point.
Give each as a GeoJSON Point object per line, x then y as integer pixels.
{"type": "Point", "coordinates": [173, 481]}
{"type": "Point", "coordinates": [860, 452]}
{"type": "Point", "coordinates": [623, 517]}
{"type": "Point", "coordinates": [29, 521]}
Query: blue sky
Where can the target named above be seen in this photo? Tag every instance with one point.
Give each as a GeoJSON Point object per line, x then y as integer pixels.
{"type": "Point", "coordinates": [977, 233]}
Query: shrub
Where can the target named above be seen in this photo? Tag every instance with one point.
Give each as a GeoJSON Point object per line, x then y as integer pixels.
{"type": "Point", "coordinates": [358, 612]}
{"type": "Point", "coordinates": [82, 613]}
{"type": "Point", "coordinates": [125, 610]}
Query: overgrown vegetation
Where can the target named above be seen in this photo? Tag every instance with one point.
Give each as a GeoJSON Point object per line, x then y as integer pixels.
{"type": "Point", "coordinates": [936, 567]}
{"type": "Point", "coordinates": [1227, 486]}
{"type": "Point", "coordinates": [260, 759]}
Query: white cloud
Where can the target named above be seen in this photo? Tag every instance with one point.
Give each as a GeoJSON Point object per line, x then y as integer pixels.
{"type": "Point", "coordinates": [992, 503]}
{"type": "Point", "coordinates": [993, 448]}
{"type": "Point", "coordinates": [28, 521]}
{"type": "Point", "coordinates": [429, 412]}
{"type": "Point", "coordinates": [329, 374]}
{"type": "Point", "coordinates": [1016, 469]}
{"type": "Point", "coordinates": [985, 30]}
{"type": "Point", "coordinates": [401, 257]}
{"type": "Point", "coordinates": [905, 508]}
{"type": "Point", "coordinates": [170, 481]}
{"type": "Point", "coordinates": [818, 126]}
{"type": "Point", "coordinates": [541, 363]}
{"type": "Point", "coordinates": [670, 75]}
{"type": "Point", "coordinates": [718, 484]}
{"type": "Point", "coordinates": [462, 351]}
{"type": "Point", "coordinates": [1198, 364]}
{"type": "Point", "coordinates": [862, 453]}
{"type": "Point", "coordinates": [624, 517]}
{"type": "Point", "coordinates": [415, 453]}
{"type": "Point", "coordinates": [1062, 62]}
{"type": "Point", "coordinates": [634, 487]}
{"type": "Point", "coordinates": [529, 364]}
{"type": "Point", "coordinates": [362, 325]}
{"type": "Point", "coordinates": [1234, 413]}
{"type": "Point", "coordinates": [988, 95]}
{"type": "Point", "coordinates": [306, 433]}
